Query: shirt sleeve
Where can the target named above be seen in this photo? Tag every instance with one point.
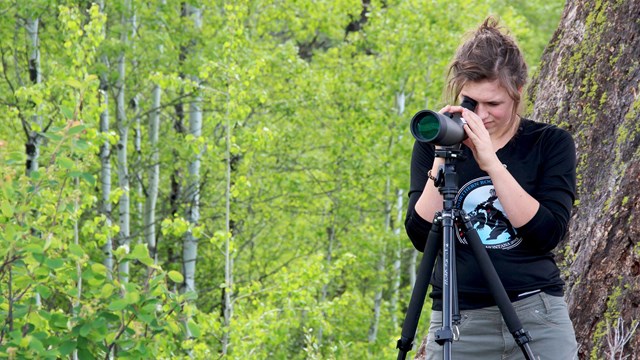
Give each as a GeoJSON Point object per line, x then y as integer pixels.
{"type": "Point", "coordinates": [555, 191]}
{"type": "Point", "coordinates": [416, 227]}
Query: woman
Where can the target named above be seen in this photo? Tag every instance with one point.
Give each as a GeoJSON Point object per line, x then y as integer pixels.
{"type": "Point", "coordinates": [518, 186]}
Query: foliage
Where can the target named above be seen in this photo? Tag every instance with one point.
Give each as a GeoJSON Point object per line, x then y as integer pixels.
{"type": "Point", "coordinates": [305, 89]}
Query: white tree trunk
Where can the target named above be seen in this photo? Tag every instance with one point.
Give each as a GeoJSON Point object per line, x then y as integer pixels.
{"type": "Point", "coordinates": [382, 262]}
{"type": "Point", "coordinates": [123, 171]}
{"type": "Point", "coordinates": [154, 176]}
{"type": "Point", "coordinates": [190, 247]}
{"type": "Point", "coordinates": [413, 262]}
{"type": "Point", "coordinates": [228, 266]}
{"type": "Point", "coordinates": [331, 234]}
{"type": "Point", "coordinates": [397, 262]}
{"type": "Point", "coordinates": [105, 172]}
{"type": "Point", "coordinates": [149, 217]}
{"type": "Point", "coordinates": [137, 141]}
{"type": "Point", "coordinates": [76, 240]}
{"type": "Point", "coordinates": [34, 138]}
{"type": "Point", "coordinates": [135, 109]}
{"type": "Point", "coordinates": [190, 243]}
{"type": "Point", "coordinates": [373, 329]}
{"type": "Point", "coordinates": [105, 183]}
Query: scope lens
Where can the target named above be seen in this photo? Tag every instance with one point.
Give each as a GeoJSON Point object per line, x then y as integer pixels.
{"type": "Point", "coordinates": [428, 127]}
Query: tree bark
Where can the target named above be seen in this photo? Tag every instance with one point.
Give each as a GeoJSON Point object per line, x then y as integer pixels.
{"type": "Point", "coordinates": [34, 138]}
{"type": "Point", "coordinates": [190, 242]}
{"type": "Point", "coordinates": [149, 216]}
{"type": "Point", "coordinates": [105, 167]}
{"type": "Point", "coordinates": [122, 124]}
{"type": "Point", "coordinates": [588, 84]}
{"type": "Point", "coordinates": [154, 176]}
{"type": "Point", "coordinates": [228, 250]}
{"type": "Point", "coordinates": [397, 261]}
{"type": "Point", "coordinates": [398, 229]}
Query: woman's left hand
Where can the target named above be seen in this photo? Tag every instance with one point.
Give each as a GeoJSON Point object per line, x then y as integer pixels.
{"type": "Point", "coordinates": [479, 141]}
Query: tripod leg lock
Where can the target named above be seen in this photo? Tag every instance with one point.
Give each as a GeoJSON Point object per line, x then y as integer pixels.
{"type": "Point", "coordinates": [405, 344]}
{"type": "Point", "coordinates": [444, 335]}
{"type": "Point", "coordinates": [521, 337]}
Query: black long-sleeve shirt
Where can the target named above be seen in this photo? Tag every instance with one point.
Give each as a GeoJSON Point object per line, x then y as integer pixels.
{"type": "Point", "coordinates": [542, 158]}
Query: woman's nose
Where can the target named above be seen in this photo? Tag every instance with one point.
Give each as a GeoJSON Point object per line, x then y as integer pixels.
{"type": "Point", "coordinates": [482, 111]}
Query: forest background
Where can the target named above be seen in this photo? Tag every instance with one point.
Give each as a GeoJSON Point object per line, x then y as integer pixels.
{"type": "Point", "coordinates": [197, 179]}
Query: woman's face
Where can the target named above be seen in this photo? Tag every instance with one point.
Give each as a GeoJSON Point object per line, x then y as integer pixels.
{"type": "Point", "coordinates": [495, 106]}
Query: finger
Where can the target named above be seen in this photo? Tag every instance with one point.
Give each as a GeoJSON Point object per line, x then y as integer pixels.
{"type": "Point", "coordinates": [474, 121]}
{"type": "Point", "coordinates": [469, 143]}
{"type": "Point", "coordinates": [470, 116]}
{"type": "Point", "coordinates": [451, 109]}
{"type": "Point", "coordinates": [448, 108]}
{"type": "Point", "coordinates": [468, 129]}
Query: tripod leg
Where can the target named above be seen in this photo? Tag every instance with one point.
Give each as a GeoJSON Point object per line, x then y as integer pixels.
{"type": "Point", "coordinates": [445, 335]}
{"type": "Point", "coordinates": [455, 308]}
{"type": "Point", "coordinates": [509, 315]}
{"type": "Point", "coordinates": [410, 324]}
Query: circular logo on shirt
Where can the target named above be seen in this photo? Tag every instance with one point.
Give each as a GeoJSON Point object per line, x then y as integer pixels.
{"type": "Point", "coordinates": [479, 200]}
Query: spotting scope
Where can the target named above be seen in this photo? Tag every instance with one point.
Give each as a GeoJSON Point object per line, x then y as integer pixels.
{"type": "Point", "coordinates": [441, 129]}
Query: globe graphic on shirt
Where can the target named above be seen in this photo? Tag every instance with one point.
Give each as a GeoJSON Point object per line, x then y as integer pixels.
{"type": "Point", "coordinates": [479, 200]}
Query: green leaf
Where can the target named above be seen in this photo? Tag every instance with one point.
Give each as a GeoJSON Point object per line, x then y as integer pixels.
{"type": "Point", "coordinates": [76, 250]}
{"type": "Point", "coordinates": [89, 178]}
{"type": "Point", "coordinates": [7, 209]}
{"type": "Point", "coordinates": [66, 112]}
{"type": "Point", "coordinates": [194, 329]}
{"type": "Point", "coordinates": [190, 295]}
{"type": "Point", "coordinates": [65, 162]}
{"type": "Point", "coordinates": [85, 354]}
{"type": "Point", "coordinates": [107, 290]}
{"type": "Point", "coordinates": [52, 136]}
{"type": "Point", "coordinates": [108, 316]}
{"type": "Point", "coordinates": [117, 305]}
{"type": "Point", "coordinates": [36, 345]}
{"type": "Point", "coordinates": [141, 254]}
{"type": "Point", "coordinates": [175, 276]}
{"type": "Point", "coordinates": [58, 321]}
{"type": "Point", "coordinates": [54, 263]}
{"type": "Point", "coordinates": [76, 129]}
{"type": "Point", "coordinates": [99, 269]}
{"type": "Point", "coordinates": [35, 175]}
{"type": "Point", "coordinates": [132, 297]}
{"type": "Point", "coordinates": [44, 291]}
{"type": "Point", "coordinates": [81, 144]}
{"type": "Point", "coordinates": [67, 347]}
{"type": "Point", "coordinates": [85, 329]}
{"type": "Point", "coordinates": [16, 157]}
{"type": "Point", "coordinates": [34, 248]}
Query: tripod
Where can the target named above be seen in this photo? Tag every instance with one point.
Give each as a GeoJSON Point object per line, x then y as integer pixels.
{"type": "Point", "coordinates": [443, 226]}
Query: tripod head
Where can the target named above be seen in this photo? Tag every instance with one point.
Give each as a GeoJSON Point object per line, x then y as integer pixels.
{"type": "Point", "coordinates": [447, 178]}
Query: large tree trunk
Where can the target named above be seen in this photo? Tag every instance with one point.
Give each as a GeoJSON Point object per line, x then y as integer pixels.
{"type": "Point", "coordinates": [588, 83]}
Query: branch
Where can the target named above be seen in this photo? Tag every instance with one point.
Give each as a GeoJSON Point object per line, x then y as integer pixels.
{"type": "Point", "coordinates": [123, 327]}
